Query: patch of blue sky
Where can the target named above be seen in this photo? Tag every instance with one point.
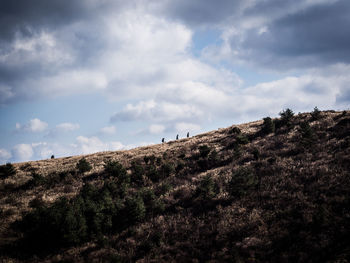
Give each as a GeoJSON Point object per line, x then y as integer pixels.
{"type": "Point", "coordinates": [90, 111]}
{"type": "Point", "coordinates": [203, 38]}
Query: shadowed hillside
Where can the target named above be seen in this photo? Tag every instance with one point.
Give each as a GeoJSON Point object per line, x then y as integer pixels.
{"type": "Point", "coordinates": [275, 190]}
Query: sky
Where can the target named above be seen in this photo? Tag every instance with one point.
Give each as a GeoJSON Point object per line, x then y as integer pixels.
{"type": "Point", "coordinates": [78, 77]}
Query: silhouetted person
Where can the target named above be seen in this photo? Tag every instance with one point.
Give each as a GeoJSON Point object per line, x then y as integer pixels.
{"type": "Point", "coordinates": [177, 137]}
{"type": "Point", "coordinates": [163, 140]}
{"type": "Point", "coordinates": [188, 135]}
{"type": "Point", "coordinates": [52, 156]}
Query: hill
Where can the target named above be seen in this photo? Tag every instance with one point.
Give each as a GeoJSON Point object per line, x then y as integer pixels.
{"type": "Point", "coordinates": [274, 190]}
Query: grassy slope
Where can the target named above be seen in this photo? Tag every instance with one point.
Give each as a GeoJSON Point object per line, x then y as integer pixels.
{"type": "Point", "coordinates": [297, 209]}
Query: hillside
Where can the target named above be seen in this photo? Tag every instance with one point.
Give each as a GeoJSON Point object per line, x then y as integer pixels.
{"type": "Point", "coordinates": [266, 191]}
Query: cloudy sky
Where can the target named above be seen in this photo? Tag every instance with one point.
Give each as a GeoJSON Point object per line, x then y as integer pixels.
{"type": "Point", "coordinates": [85, 76]}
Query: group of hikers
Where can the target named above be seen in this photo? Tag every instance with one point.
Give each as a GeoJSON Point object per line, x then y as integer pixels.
{"type": "Point", "coordinates": [177, 137]}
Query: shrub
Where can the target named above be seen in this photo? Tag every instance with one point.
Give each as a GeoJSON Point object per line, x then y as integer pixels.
{"type": "Point", "coordinates": [305, 130]}
{"type": "Point", "coordinates": [256, 153]}
{"type": "Point", "coordinates": [137, 173]}
{"type": "Point", "coordinates": [152, 159]}
{"type": "Point", "coordinates": [213, 158]}
{"type": "Point", "coordinates": [206, 187]}
{"type": "Point", "coordinates": [52, 156]}
{"type": "Point", "coordinates": [37, 180]}
{"type": "Point", "coordinates": [146, 159]}
{"type": "Point", "coordinates": [115, 169]}
{"type": "Point", "coordinates": [7, 170]}
{"type": "Point", "coordinates": [268, 126]}
{"type": "Point", "coordinates": [36, 203]}
{"type": "Point", "coordinates": [307, 134]}
{"type": "Point", "coordinates": [242, 139]}
{"type": "Point", "coordinates": [242, 181]}
{"type": "Point", "coordinates": [204, 151]}
{"type": "Point", "coordinates": [316, 114]}
{"type": "Point", "coordinates": [83, 166]}
{"type": "Point", "coordinates": [166, 170]}
{"type": "Point", "coordinates": [153, 174]}
{"type": "Point", "coordinates": [286, 115]}
{"type": "Point", "coordinates": [285, 120]}
{"type": "Point", "coordinates": [179, 167]}
{"type": "Point", "coordinates": [163, 189]}
{"type": "Point", "coordinates": [235, 130]}
{"type": "Point", "coordinates": [135, 209]}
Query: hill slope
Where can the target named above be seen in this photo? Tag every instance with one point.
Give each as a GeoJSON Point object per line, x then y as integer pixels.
{"type": "Point", "coordinates": [266, 191]}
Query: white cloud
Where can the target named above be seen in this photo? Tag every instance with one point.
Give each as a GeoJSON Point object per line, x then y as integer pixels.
{"type": "Point", "coordinates": [86, 145]}
{"type": "Point", "coordinates": [108, 130]}
{"type": "Point", "coordinates": [154, 111]}
{"type": "Point", "coordinates": [22, 152]}
{"type": "Point", "coordinates": [156, 128]}
{"type": "Point", "coordinates": [187, 127]}
{"type": "Point", "coordinates": [67, 126]}
{"type": "Point", "coordinates": [135, 54]}
{"type": "Point", "coordinates": [5, 156]}
{"type": "Point", "coordinates": [34, 125]}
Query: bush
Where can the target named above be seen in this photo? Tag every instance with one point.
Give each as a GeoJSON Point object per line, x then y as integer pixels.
{"type": "Point", "coordinates": [242, 139]}
{"type": "Point", "coordinates": [268, 126]}
{"type": "Point", "coordinates": [37, 180]}
{"type": "Point", "coordinates": [213, 158]}
{"type": "Point", "coordinates": [7, 170]}
{"type": "Point", "coordinates": [242, 181]}
{"type": "Point", "coordinates": [83, 166]}
{"type": "Point", "coordinates": [307, 134]}
{"type": "Point", "coordinates": [286, 115]}
{"type": "Point", "coordinates": [115, 169]}
{"type": "Point", "coordinates": [137, 173]}
{"type": "Point", "coordinates": [256, 153]}
{"type": "Point", "coordinates": [135, 209]}
{"type": "Point", "coordinates": [166, 170]}
{"type": "Point", "coordinates": [204, 151]}
{"type": "Point", "coordinates": [163, 189]}
{"type": "Point", "coordinates": [151, 202]}
{"type": "Point", "coordinates": [206, 188]}
{"type": "Point", "coordinates": [235, 130]}
{"type": "Point", "coordinates": [316, 114]}
{"type": "Point", "coordinates": [179, 167]}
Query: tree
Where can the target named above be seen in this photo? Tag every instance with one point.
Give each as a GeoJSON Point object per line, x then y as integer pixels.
{"type": "Point", "coordinates": [206, 188]}
{"type": "Point", "coordinates": [316, 114]}
{"type": "Point", "coordinates": [204, 151]}
{"type": "Point", "coordinates": [286, 115]}
{"type": "Point", "coordinates": [83, 166]}
{"type": "Point", "coordinates": [7, 170]}
{"type": "Point", "coordinates": [135, 209]}
{"type": "Point", "coordinates": [268, 126]}
{"type": "Point", "coordinates": [242, 181]}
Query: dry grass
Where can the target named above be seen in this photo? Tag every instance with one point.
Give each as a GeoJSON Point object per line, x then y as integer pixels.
{"type": "Point", "coordinates": [294, 180]}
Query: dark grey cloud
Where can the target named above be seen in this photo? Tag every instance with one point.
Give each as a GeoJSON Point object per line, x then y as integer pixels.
{"type": "Point", "coordinates": [26, 28]}
{"type": "Point", "coordinates": [314, 36]}
{"type": "Point", "coordinates": [202, 13]}
{"type": "Point", "coordinates": [26, 17]}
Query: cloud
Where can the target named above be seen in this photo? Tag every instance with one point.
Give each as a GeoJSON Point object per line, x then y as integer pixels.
{"type": "Point", "coordinates": [285, 35]}
{"type": "Point", "coordinates": [67, 126]}
{"type": "Point", "coordinates": [202, 13]}
{"type": "Point", "coordinates": [5, 156]}
{"type": "Point", "coordinates": [44, 150]}
{"type": "Point", "coordinates": [187, 127]}
{"type": "Point", "coordinates": [156, 129]}
{"type": "Point", "coordinates": [124, 53]}
{"type": "Point", "coordinates": [153, 111]}
{"type": "Point", "coordinates": [86, 145]}
{"type": "Point", "coordinates": [108, 130]}
{"type": "Point", "coordinates": [22, 152]}
{"type": "Point", "coordinates": [34, 125]}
